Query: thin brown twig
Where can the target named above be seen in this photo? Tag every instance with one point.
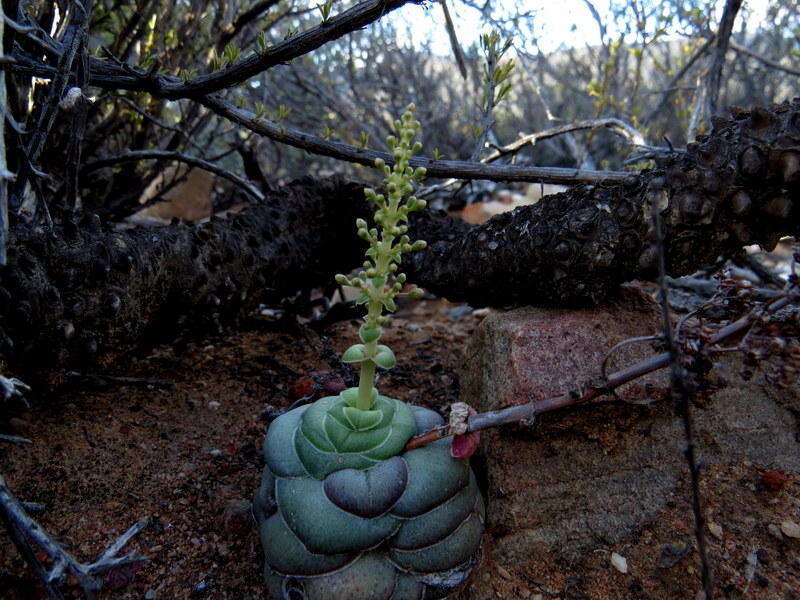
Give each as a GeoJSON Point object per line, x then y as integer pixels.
{"type": "Point", "coordinates": [681, 394]}
{"type": "Point", "coordinates": [26, 533]}
{"type": "Point", "coordinates": [722, 38]}
{"type": "Point", "coordinates": [137, 155]}
{"type": "Point", "coordinates": [592, 391]}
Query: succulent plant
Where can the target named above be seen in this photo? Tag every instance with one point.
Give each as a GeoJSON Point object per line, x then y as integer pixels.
{"type": "Point", "coordinates": [344, 512]}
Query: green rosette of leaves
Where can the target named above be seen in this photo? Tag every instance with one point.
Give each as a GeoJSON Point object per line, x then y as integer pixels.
{"type": "Point", "coordinates": [344, 513]}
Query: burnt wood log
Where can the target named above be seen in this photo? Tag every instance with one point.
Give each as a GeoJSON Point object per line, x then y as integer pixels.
{"type": "Point", "coordinates": [83, 292]}
{"type": "Point", "coordinates": [738, 185]}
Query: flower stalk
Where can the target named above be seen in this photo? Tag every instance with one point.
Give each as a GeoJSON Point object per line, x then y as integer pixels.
{"type": "Point", "coordinates": [379, 281]}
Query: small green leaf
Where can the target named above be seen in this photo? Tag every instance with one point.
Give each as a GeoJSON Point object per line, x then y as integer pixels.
{"type": "Point", "coordinates": [369, 334]}
{"type": "Point", "coordinates": [385, 357]}
{"type": "Point", "coordinates": [361, 420]}
{"type": "Point", "coordinates": [355, 354]}
{"type": "Point", "coordinates": [389, 304]}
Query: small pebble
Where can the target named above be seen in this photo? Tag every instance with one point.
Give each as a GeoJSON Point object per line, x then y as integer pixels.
{"type": "Point", "coordinates": [481, 313]}
{"type": "Point", "coordinates": [790, 529]}
{"type": "Point", "coordinates": [459, 313]}
{"type": "Point", "coordinates": [619, 562]}
{"type": "Point", "coordinates": [774, 531]}
{"type": "Point", "coordinates": [715, 529]}
{"type": "Point", "coordinates": [216, 452]}
{"type": "Point", "coordinates": [214, 405]}
{"type": "Point", "coordinates": [503, 572]}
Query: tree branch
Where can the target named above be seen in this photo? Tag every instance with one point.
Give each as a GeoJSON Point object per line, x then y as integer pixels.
{"type": "Point", "coordinates": [722, 38]}
{"type": "Point", "coordinates": [619, 127]}
{"type": "Point", "coordinates": [436, 168]}
{"type": "Point", "coordinates": [25, 531]}
{"type": "Point", "coordinates": [763, 60]}
{"type": "Point", "coordinates": [137, 155]}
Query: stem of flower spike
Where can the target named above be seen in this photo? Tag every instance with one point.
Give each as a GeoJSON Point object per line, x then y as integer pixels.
{"type": "Point", "coordinates": [379, 282]}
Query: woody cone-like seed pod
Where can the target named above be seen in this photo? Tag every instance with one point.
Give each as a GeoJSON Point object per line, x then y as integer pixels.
{"type": "Point", "coordinates": [344, 514]}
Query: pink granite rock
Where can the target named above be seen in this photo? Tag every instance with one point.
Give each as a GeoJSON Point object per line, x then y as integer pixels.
{"type": "Point", "coordinates": [593, 475]}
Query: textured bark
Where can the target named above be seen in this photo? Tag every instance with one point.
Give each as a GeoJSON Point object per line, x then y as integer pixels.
{"type": "Point", "coordinates": [738, 185]}
{"type": "Point", "coordinates": [86, 292]}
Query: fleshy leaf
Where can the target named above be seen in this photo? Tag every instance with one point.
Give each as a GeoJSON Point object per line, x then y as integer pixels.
{"type": "Point", "coordinates": [355, 354]}
{"type": "Point", "coordinates": [362, 420]}
{"type": "Point", "coordinates": [369, 334]}
{"type": "Point", "coordinates": [464, 446]}
{"type": "Point", "coordinates": [389, 304]}
{"type": "Point", "coordinates": [350, 396]}
{"type": "Point", "coordinates": [385, 357]}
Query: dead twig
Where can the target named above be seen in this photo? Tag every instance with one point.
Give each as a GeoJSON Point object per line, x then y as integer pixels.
{"type": "Point", "coordinates": [12, 439]}
{"type": "Point", "coordinates": [681, 394]}
{"type": "Point", "coordinates": [597, 386]}
{"type": "Point", "coordinates": [137, 155]}
{"type": "Point", "coordinates": [27, 534]}
{"type": "Point", "coordinates": [715, 72]}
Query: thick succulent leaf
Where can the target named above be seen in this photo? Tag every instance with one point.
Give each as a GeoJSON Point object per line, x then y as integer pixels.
{"type": "Point", "coordinates": [324, 527]}
{"type": "Point", "coordinates": [287, 555]}
{"type": "Point", "coordinates": [264, 504]}
{"type": "Point", "coordinates": [408, 588]}
{"type": "Point", "coordinates": [437, 524]}
{"type": "Point", "coordinates": [452, 551]}
{"type": "Point", "coordinates": [371, 577]}
{"type": "Point", "coordinates": [369, 334]}
{"type": "Point", "coordinates": [355, 354]}
{"type": "Point", "coordinates": [443, 583]}
{"type": "Point", "coordinates": [385, 357]}
{"type": "Point", "coordinates": [319, 464]}
{"type": "Point", "coordinates": [344, 439]}
{"type": "Point", "coordinates": [369, 493]}
{"type": "Point", "coordinates": [425, 419]}
{"type": "Point", "coordinates": [312, 424]}
{"type": "Point", "coordinates": [433, 477]}
{"type": "Point", "coordinates": [279, 452]}
{"type": "Point", "coordinates": [350, 396]}
{"type": "Point", "coordinates": [361, 420]}
{"type": "Point", "coordinates": [402, 429]}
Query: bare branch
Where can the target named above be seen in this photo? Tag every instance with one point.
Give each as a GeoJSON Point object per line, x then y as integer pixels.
{"type": "Point", "coordinates": [436, 168]}
{"type": "Point", "coordinates": [137, 155]}
{"type": "Point", "coordinates": [25, 532]}
{"type": "Point", "coordinates": [241, 21]}
{"type": "Point", "coordinates": [458, 54]}
{"type": "Point", "coordinates": [618, 126]}
{"type": "Point", "coordinates": [723, 37]}
{"type": "Point", "coordinates": [763, 60]}
{"type": "Point", "coordinates": [681, 394]}
{"type": "Point", "coordinates": [597, 386]}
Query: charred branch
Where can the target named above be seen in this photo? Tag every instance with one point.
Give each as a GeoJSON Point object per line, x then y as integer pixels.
{"type": "Point", "coordinates": [738, 185]}
{"type": "Point", "coordinates": [87, 292]}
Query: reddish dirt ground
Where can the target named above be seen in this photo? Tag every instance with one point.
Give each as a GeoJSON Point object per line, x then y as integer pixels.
{"type": "Point", "coordinates": [104, 458]}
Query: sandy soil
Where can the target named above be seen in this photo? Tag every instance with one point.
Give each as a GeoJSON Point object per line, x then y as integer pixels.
{"type": "Point", "coordinates": [188, 458]}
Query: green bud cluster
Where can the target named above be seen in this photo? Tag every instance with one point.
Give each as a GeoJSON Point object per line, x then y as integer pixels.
{"type": "Point", "coordinates": [379, 281]}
